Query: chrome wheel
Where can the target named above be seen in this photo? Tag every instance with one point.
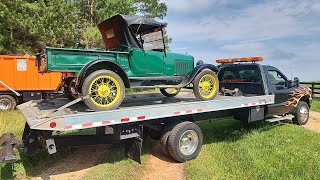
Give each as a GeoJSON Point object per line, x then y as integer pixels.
{"type": "Point", "coordinates": [188, 142]}
{"type": "Point", "coordinates": [304, 113]}
{"type": "Point", "coordinates": [5, 104]}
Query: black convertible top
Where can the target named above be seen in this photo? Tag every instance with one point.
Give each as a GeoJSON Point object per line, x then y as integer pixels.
{"type": "Point", "coordinates": [141, 24]}
{"type": "Point", "coordinates": [121, 30]}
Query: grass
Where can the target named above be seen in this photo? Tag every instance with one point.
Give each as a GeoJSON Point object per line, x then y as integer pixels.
{"type": "Point", "coordinates": [280, 151]}
{"type": "Point", "coordinates": [315, 105]}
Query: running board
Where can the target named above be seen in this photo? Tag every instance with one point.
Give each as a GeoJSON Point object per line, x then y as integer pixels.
{"type": "Point", "coordinates": [281, 118]}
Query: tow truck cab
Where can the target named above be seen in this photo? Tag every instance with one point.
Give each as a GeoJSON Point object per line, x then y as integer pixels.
{"type": "Point", "coordinates": [251, 78]}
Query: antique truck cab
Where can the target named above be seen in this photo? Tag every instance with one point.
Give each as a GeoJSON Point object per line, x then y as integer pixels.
{"type": "Point", "coordinates": [135, 57]}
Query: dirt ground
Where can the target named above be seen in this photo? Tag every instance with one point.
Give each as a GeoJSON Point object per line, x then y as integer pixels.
{"type": "Point", "coordinates": [162, 167]}
{"type": "Point", "coordinates": [75, 166]}
{"type": "Point", "coordinates": [314, 122]}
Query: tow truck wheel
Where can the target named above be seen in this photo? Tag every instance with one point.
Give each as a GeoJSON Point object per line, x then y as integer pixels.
{"type": "Point", "coordinates": [206, 85]}
{"type": "Point", "coordinates": [7, 103]}
{"type": "Point", "coordinates": [301, 114]}
{"type": "Point", "coordinates": [185, 141]}
{"type": "Point", "coordinates": [170, 92]}
{"type": "Point", "coordinates": [106, 90]}
{"type": "Point", "coordinates": [164, 137]}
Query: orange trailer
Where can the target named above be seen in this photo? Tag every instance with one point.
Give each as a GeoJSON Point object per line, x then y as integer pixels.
{"type": "Point", "coordinates": [20, 81]}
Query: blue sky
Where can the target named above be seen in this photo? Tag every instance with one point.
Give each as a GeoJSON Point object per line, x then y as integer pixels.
{"type": "Point", "coordinates": [286, 33]}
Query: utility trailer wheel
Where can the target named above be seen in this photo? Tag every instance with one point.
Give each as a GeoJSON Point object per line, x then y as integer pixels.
{"type": "Point", "coordinates": [206, 85]}
{"type": "Point", "coordinates": [7, 103]}
{"type": "Point", "coordinates": [106, 90]}
{"type": "Point", "coordinates": [301, 113]}
{"type": "Point", "coordinates": [170, 92]}
{"type": "Point", "coordinates": [185, 141]}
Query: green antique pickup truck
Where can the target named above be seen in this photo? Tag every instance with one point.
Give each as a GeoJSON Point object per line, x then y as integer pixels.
{"type": "Point", "coordinates": [135, 57]}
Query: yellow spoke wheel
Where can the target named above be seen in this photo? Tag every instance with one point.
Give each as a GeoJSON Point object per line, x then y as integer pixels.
{"type": "Point", "coordinates": [206, 85]}
{"type": "Point", "coordinates": [170, 92]}
{"type": "Point", "coordinates": [106, 90]}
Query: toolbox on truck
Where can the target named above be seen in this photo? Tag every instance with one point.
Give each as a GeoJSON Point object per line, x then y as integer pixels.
{"type": "Point", "coordinates": [21, 74]}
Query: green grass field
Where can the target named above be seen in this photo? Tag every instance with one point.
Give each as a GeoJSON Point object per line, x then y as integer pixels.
{"type": "Point", "coordinates": [280, 151]}
{"type": "Point", "coordinates": [315, 105]}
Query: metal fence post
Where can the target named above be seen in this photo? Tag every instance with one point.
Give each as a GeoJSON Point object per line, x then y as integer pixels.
{"type": "Point", "coordinates": [312, 89]}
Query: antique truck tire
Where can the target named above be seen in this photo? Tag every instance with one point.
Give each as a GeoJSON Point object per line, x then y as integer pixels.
{"type": "Point", "coordinates": [170, 92]}
{"type": "Point", "coordinates": [7, 103]}
{"type": "Point", "coordinates": [70, 89]}
{"type": "Point", "coordinates": [301, 113]}
{"type": "Point", "coordinates": [206, 85]}
{"type": "Point", "coordinates": [185, 141]}
{"type": "Point", "coordinates": [106, 90]}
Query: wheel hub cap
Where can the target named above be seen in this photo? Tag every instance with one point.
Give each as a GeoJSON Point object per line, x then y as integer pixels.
{"type": "Point", "coordinates": [5, 104]}
{"type": "Point", "coordinates": [104, 91]}
{"type": "Point", "coordinates": [205, 86]}
{"type": "Point", "coordinates": [304, 113]}
{"type": "Point", "coordinates": [188, 142]}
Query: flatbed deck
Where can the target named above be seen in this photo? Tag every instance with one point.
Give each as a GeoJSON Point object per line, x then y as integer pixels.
{"type": "Point", "coordinates": [139, 107]}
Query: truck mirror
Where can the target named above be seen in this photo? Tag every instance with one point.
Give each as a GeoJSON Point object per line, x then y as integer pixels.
{"type": "Point", "coordinates": [296, 82]}
{"type": "Point", "coordinates": [290, 84]}
{"type": "Point", "coordinates": [200, 62]}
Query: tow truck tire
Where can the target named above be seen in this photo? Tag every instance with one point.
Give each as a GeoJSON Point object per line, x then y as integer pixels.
{"type": "Point", "coordinates": [301, 113]}
{"type": "Point", "coordinates": [106, 90]}
{"type": "Point", "coordinates": [185, 141]}
{"type": "Point", "coordinates": [7, 103]}
{"type": "Point", "coordinates": [164, 138]}
{"type": "Point", "coordinates": [206, 85]}
{"type": "Point", "coordinates": [170, 92]}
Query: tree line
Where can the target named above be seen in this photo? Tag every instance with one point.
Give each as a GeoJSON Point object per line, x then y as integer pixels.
{"type": "Point", "coordinates": [63, 23]}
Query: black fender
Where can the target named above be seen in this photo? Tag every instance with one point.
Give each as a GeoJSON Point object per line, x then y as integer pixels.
{"type": "Point", "coordinates": [102, 64]}
{"type": "Point", "coordinates": [190, 76]}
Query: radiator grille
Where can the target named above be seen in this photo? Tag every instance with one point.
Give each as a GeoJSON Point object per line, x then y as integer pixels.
{"type": "Point", "coordinates": [181, 66]}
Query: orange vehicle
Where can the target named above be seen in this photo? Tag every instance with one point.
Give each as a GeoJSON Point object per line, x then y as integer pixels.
{"type": "Point", "coordinates": [20, 81]}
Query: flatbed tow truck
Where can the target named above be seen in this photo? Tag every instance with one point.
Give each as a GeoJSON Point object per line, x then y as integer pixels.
{"type": "Point", "coordinates": [248, 91]}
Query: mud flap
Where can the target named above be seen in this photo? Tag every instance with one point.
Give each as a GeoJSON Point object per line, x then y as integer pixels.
{"type": "Point", "coordinates": [7, 143]}
{"type": "Point", "coordinates": [133, 149]}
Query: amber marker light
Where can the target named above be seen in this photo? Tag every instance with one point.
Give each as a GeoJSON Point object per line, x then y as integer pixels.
{"type": "Point", "coordinates": [244, 59]}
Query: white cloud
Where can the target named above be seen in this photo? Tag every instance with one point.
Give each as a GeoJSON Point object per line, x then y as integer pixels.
{"type": "Point", "coordinates": [183, 6]}
{"type": "Point", "coordinates": [285, 32]}
{"type": "Point", "coordinates": [270, 20]}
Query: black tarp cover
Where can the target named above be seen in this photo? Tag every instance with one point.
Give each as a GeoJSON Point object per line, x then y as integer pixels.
{"type": "Point", "coordinates": [121, 30]}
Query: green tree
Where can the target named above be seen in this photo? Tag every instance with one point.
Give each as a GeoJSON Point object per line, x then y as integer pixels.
{"type": "Point", "coordinates": [95, 11]}
{"type": "Point", "coordinates": [63, 23]}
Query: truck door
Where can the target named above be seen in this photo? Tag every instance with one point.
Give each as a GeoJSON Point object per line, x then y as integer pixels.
{"type": "Point", "coordinates": [154, 50]}
{"type": "Point", "coordinates": [278, 84]}
{"type": "Point", "coordinates": [155, 63]}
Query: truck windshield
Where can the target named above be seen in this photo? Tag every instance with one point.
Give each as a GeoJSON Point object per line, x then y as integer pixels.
{"type": "Point", "coordinates": [152, 41]}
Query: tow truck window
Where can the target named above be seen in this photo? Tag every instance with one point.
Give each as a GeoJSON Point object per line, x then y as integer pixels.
{"type": "Point", "coordinates": [276, 78]}
{"type": "Point", "coordinates": [247, 75]}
